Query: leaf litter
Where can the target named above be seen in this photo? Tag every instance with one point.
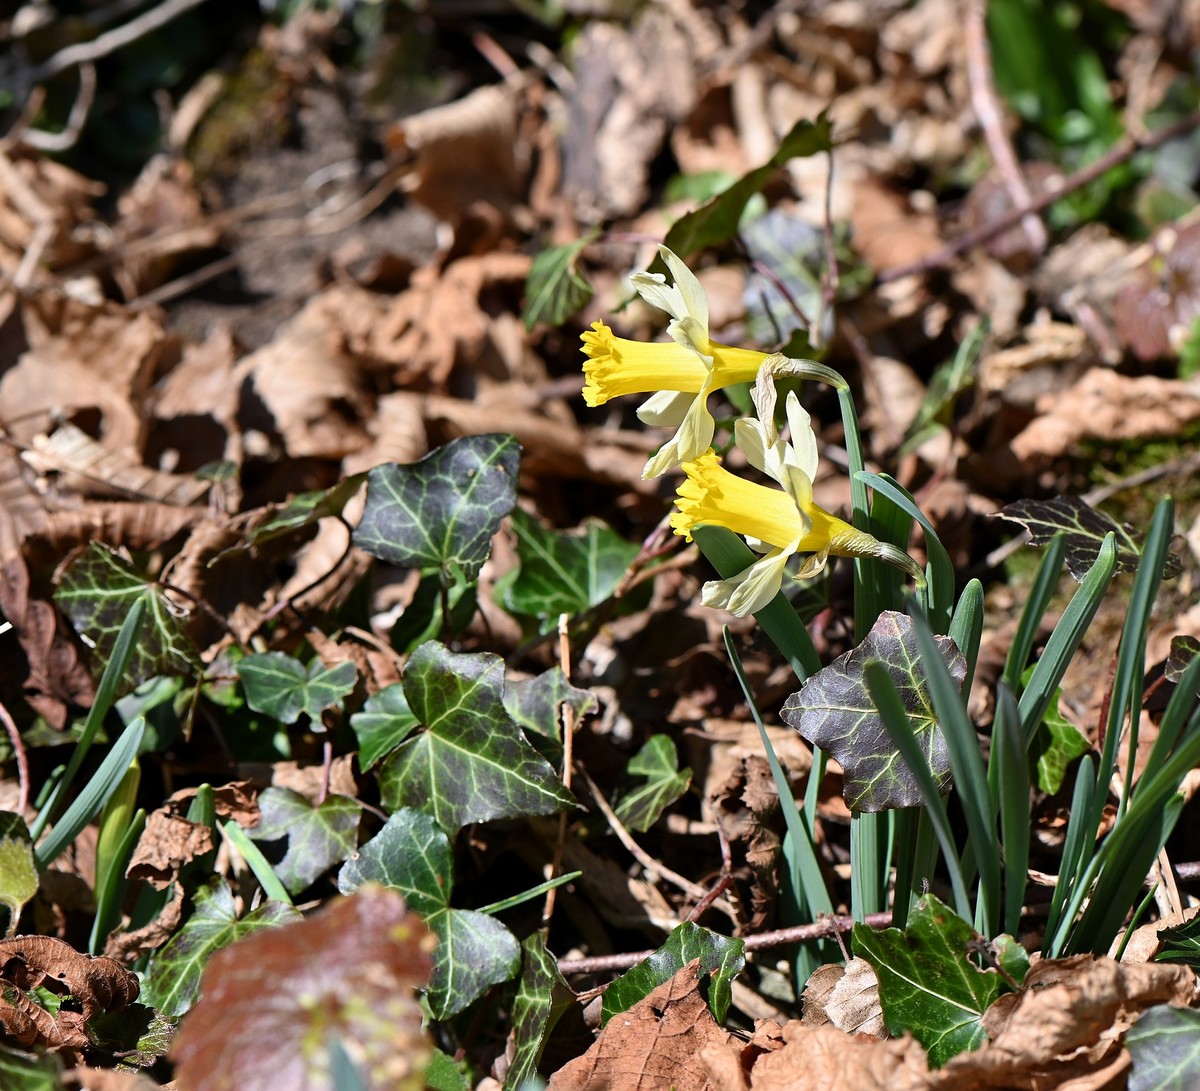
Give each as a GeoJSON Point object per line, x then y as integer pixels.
{"type": "Point", "coordinates": [190, 352]}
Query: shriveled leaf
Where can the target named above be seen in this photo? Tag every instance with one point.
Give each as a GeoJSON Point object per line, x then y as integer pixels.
{"type": "Point", "coordinates": [656, 765]}
{"type": "Point", "coordinates": [98, 589]}
{"type": "Point", "coordinates": [28, 1072]}
{"type": "Point", "coordinates": [542, 998]}
{"type": "Point", "coordinates": [470, 762]}
{"type": "Point", "coordinates": [442, 511]}
{"type": "Point", "coordinates": [283, 688]}
{"type": "Point", "coordinates": [412, 854]}
{"type": "Point", "coordinates": [18, 868]}
{"type": "Point", "coordinates": [535, 704]}
{"type": "Point", "coordinates": [565, 572]}
{"type": "Point", "coordinates": [833, 709]}
{"type": "Point", "coordinates": [554, 288]}
{"type": "Point", "coordinates": [927, 983]}
{"type": "Point", "coordinates": [721, 958]}
{"type": "Point", "coordinates": [716, 221]}
{"type": "Point", "coordinates": [317, 837]}
{"type": "Point", "coordinates": [1165, 1046]}
{"type": "Point", "coordinates": [173, 980]}
{"type": "Point", "coordinates": [383, 724]}
{"type": "Point", "coordinates": [307, 508]}
{"type": "Point", "coordinates": [1085, 529]}
{"type": "Point", "coordinates": [271, 1003]}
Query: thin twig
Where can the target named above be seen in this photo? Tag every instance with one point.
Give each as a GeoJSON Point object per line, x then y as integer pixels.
{"type": "Point", "coordinates": [63, 141]}
{"type": "Point", "coordinates": [14, 737]}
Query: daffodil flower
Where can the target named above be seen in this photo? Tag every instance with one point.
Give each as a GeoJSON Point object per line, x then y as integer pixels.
{"type": "Point", "coordinates": [680, 374]}
{"type": "Point", "coordinates": [778, 523]}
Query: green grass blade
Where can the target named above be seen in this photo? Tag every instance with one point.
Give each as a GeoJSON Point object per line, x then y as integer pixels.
{"type": "Point", "coordinates": [530, 894]}
{"type": "Point", "coordinates": [1045, 583]}
{"type": "Point", "coordinates": [1080, 833]}
{"type": "Point", "coordinates": [110, 888]}
{"type": "Point", "coordinates": [868, 863]}
{"type": "Point", "coordinates": [966, 628]}
{"type": "Point", "coordinates": [255, 861]}
{"type": "Point", "coordinates": [1012, 798]}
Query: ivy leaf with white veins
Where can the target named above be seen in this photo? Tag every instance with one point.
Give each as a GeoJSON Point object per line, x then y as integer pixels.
{"type": "Point", "coordinates": [442, 511]}
{"type": "Point", "coordinates": [555, 289]}
{"type": "Point", "coordinates": [535, 703]}
{"type": "Point", "coordinates": [412, 854]}
{"type": "Point", "coordinates": [383, 724]}
{"type": "Point", "coordinates": [656, 766]}
{"type": "Point", "coordinates": [470, 762]}
{"type": "Point", "coordinates": [281, 687]}
{"type": "Point", "coordinates": [1085, 529]}
{"type": "Point", "coordinates": [317, 837]}
{"type": "Point", "coordinates": [833, 710]}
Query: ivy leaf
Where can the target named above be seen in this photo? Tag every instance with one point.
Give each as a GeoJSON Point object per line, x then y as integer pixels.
{"type": "Point", "coordinates": [442, 511]}
{"type": "Point", "coordinates": [272, 1002]}
{"type": "Point", "coordinates": [470, 763]}
{"type": "Point", "coordinates": [18, 867]}
{"type": "Point", "coordinates": [317, 837]}
{"type": "Point", "coordinates": [173, 981]}
{"type": "Point", "coordinates": [721, 957]}
{"type": "Point", "coordinates": [927, 983]}
{"type": "Point", "coordinates": [565, 572]}
{"type": "Point", "coordinates": [281, 687]}
{"type": "Point", "coordinates": [1085, 529]}
{"type": "Point", "coordinates": [657, 765]}
{"type": "Point", "coordinates": [383, 724]}
{"type": "Point", "coordinates": [716, 221]}
{"type": "Point", "coordinates": [1181, 943]}
{"type": "Point", "coordinates": [1165, 1046]}
{"type": "Point", "coordinates": [535, 702]}
{"type": "Point", "coordinates": [307, 508]}
{"type": "Point", "coordinates": [412, 854]}
{"type": "Point", "coordinates": [543, 996]}
{"type": "Point", "coordinates": [1184, 649]}
{"type": "Point", "coordinates": [833, 709]}
{"type": "Point", "coordinates": [96, 592]}
{"type": "Point", "coordinates": [555, 289]}
{"type": "Point", "coordinates": [139, 1034]}
{"type": "Point", "coordinates": [1057, 743]}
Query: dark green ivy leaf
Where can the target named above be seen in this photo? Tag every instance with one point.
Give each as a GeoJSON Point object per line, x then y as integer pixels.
{"type": "Point", "coordinates": [138, 1034]}
{"type": "Point", "coordinates": [281, 687]}
{"type": "Point", "coordinates": [555, 289]}
{"type": "Point", "coordinates": [470, 762]}
{"type": "Point", "coordinates": [1181, 943]}
{"type": "Point", "coordinates": [317, 837]}
{"type": "Point", "coordinates": [1165, 1046]}
{"type": "Point", "coordinates": [383, 724]}
{"type": "Point", "coordinates": [535, 703]}
{"type": "Point", "coordinates": [720, 957]}
{"type": "Point", "coordinates": [1184, 650]}
{"type": "Point", "coordinates": [833, 710]}
{"type": "Point", "coordinates": [307, 508]}
{"type": "Point", "coordinates": [412, 854]}
{"type": "Point", "coordinates": [1085, 529]}
{"type": "Point", "coordinates": [542, 998]}
{"type": "Point", "coordinates": [656, 766]}
{"type": "Point", "coordinates": [442, 511]}
{"type": "Point", "coordinates": [96, 592]}
{"type": "Point", "coordinates": [928, 984]}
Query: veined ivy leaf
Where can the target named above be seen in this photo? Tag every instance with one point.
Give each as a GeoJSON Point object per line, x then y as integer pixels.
{"type": "Point", "coordinates": [307, 508]}
{"type": "Point", "coordinates": [565, 572]}
{"type": "Point", "coordinates": [543, 996]}
{"type": "Point", "coordinates": [139, 1034]}
{"type": "Point", "coordinates": [1184, 650]}
{"type": "Point", "coordinates": [833, 710]}
{"type": "Point", "coordinates": [716, 221]}
{"type": "Point", "coordinates": [442, 511]}
{"type": "Point", "coordinates": [412, 854]}
{"type": "Point", "coordinates": [470, 762]}
{"type": "Point", "coordinates": [555, 289]}
{"type": "Point", "coordinates": [1085, 529]}
{"type": "Point", "coordinates": [317, 837]}
{"type": "Point", "coordinates": [657, 766]}
{"type": "Point", "coordinates": [383, 724]}
{"type": "Point", "coordinates": [1181, 943]}
{"type": "Point", "coordinates": [281, 687]}
{"type": "Point", "coordinates": [271, 1003]}
{"type": "Point", "coordinates": [535, 702]}
{"type": "Point", "coordinates": [721, 957]}
{"type": "Point", "coordinates": [173, 980]}
{"type": "Point", "coordinates": [96, 592]}
{"type": "Point", "coordinates": [1057, 743]}
{"type": "Point", "coordinates": [927, 983]}
{"type": "Point", "coordinates": [1165, 1046]}
{"type": "Point", "coordinates": [18, 867]}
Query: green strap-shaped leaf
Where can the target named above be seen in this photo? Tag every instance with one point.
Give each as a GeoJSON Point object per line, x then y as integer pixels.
{"type": "Point", "coordinates": [317, 837]}
{"type": "Point", "coordinates": [834, 710]}
{"type": "Point", "coordinates": [927, 983]}
{"type": "Point", "coordinates": [173, 981]}
{"type": "Point", "coordinates": [662, 782]}
{"type": "Point", "coordinates": [97, 591]}
{"type": "Point", "coordinates": [412, 854]}
{"type": "Point", "coordinates": [471, 762]}
{"type": "Point", "coordinates": [442, 511]}
{"type": "Point", "coordinates": [554, 288]}
{"type": "Point", "coordinates": [281, 687]}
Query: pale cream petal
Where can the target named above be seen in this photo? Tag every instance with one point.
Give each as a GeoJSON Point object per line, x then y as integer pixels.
{"type": "Point", "coordinates": [666, 409]}
{"type": "Point", "coordinates": [695, 433]}
{"type": "Point", "coordinates": [691, 293]}
{"type": "Point", "coordinates": [750, 435]}
{"type": "Point", "coordinates": [664, 459]}
{"type": "Point", "coordinates": [813, 565]}
{"type": "Point", "coordinates": [763, 395]}
{"type": "Point", "coordinates": [750, 590]}
{"type": "Point", "coordinates": [803, 439]}
{"type": "Point", "coordinates": [799, 488]}
{"type": "Point", "coordinates": [655, 290]}
{"type": "Point", "coordinates": [691, 334]}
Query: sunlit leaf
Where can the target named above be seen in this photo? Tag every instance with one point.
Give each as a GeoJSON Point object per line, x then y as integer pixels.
{"type": "Point", "coordinates": [535, 703]}
{"type": "Point", "coordinates": [543, 996]}
{"type": "Point", "coordinates": [469, 762]}
{"type": "Point", "coordinates": [139, 1034]}
{"type": "Point", "coordinates": [1181, 943]}
{"type": "Point", "coordinates": [555, 289]}
{"type": "Point", "coordinates": [96, 592]}
{"type": "Point", "coordinates": [283, 688]}
{"type": "Point", "coordinates": [173, 980]}
{"type": "Point", "coordinates": [383, 724]}
{"type": "Point", "coordinates": [317, 837]}
{"type": "Point", "coordinates": [662, 782]}
{"type": "Point", "coordinates": [18, 866]}
{"type": "Point", "coordinates": [307, 508]}
{"type": "Point", "coordinates": [442, 511]}
{"type": "Point", "coordinates": [271, 1003]}
{"type": "Point", "coordinates": [1084, 528]}
{"type": "Point", "coordinates": [833, 710]}
{"type": "Point", "coordinates": [412, 854]}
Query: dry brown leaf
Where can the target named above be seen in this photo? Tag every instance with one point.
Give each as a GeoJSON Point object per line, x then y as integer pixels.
{"type": "Point", "coordinates": [168, 842]}
{"type": "Point", "coordinates": [888, 232]}
{"type": "Point", "coordinates": [853, 1004]}
{"type": "Point", "coordinates": [828, 1057]}
{"type": "Point", "coordinates": [654, 1046]}
{"type": "Point", "coordinates": [109, 1079]}
{"type": "Point", "coordinates": [126, 946]}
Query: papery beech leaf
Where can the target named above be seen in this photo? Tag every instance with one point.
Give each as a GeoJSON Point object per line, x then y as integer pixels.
{"type": "Point", "coordinates": [283, 688]}
{"type": "Point", "coordinates": [173, 980]}
{"type": "Point", "coordinates": [656, 767]}
{"type": "Point", "coordinates": [535, 704]}
{"type": "Point", "coordinates": [18, 867]}
{"type": "Point", "coordinates": [98, 589]}
{"type": "Point", "coordinates": [554, 288]}
{"type": "Point", "coordinates": [833, 710]}
{"type": "Point", "coordinates": [543, 996]}
{"type": "Point", "coordinates": [470, 762]}
{"type": "Point", "coordinates": [317, 837]}
{"type": "Point", "coordinates": [442, 511]}
{"type": "Point", "coordinates": [412, 854]}
{"type": "Point", "coordinates": [1085, 529]}
{"type": "Point", "coordinates": [271, 1003]}
{"type": "Point", "coordinates": [928, 984]}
